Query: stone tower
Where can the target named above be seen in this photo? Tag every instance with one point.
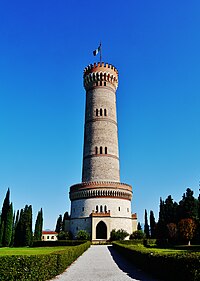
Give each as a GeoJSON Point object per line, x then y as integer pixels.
{"type": "Point", "coordinates": [101, 203]}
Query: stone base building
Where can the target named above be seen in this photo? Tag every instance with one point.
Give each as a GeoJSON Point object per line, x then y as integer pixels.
{"type": "Point", "coordinates": [101, 203]}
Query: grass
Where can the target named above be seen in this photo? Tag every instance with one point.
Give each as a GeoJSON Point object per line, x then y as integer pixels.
{"type": "Point", "coordinates": [30, 251]}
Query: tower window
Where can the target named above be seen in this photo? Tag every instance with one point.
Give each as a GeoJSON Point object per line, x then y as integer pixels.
{"type": "Point", "coordinates": [106, 150]}
{"type": "Point", "coordinates": [96, 150]}
{"type": "Point", "coordinates": [100, 83]}
{"type": "Point", "coordinates": [101, 112]}
{"type": "Point", "coordinates": [104, 83]}
{"type": "Point", "coordinates": [127, 209]}
{"type": "Point", "coordinates": [97, 209]}
{"type": "Point", "coordinates": [97, 112]}
{"type": "Point", "coordinates": [101, 150]}
{"type": "Point", "coordinates": [101, 209]}
{"type": "Point", "coordinates": [105, 112]}
{"type": "Point", "coordinates": [82, 208]}
{"type": "Point", "coordinates": [105, 209]}
{"type": "Point", "coordinates": [119, 209]}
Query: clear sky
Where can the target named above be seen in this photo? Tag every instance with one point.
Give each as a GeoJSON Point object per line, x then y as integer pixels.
{"type": "Point", "coordinates": [44, 47]}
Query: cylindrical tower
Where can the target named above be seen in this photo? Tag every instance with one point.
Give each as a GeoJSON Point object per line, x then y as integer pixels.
{"type": "Point", "coordinates": [101, 203]}
{"type": "Point", "coordinates": [100, 155]}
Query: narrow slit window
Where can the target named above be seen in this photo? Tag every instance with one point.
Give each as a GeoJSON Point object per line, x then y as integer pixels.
{"type": "Point", "coordinates": [101, 150]}
{"type": "Point", "coordinates": [106, 150]}
{"type": "Point", "coordinates": [105, 112]}
{"type": "Point", "coordinates": [97, 209]}
{"type": "Point", "coordinates": [101, 209]}
{"type": "Point", "coordinates": [96, 150]}
{"type": "Point", "coordinates": [100, 83]}
{"type": "Point", "coordinates": [97, 112]}
{"type": "Point", "coordinates": [104, 83]}
{"type": "Point", "coordinates": [119, 209]}
{"type": "Point", "coordinates": [101, 112]}
{"type": "Point", "coordinates": [105, 209]}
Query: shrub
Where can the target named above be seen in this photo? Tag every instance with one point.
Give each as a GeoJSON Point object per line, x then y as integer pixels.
{"type": "Point", "coordinates": [138, 234]}
{"type": "Point", "coordinates": [184, 266]}
{"type": "Point", "coordinates": [64, 235]}
{"type": "Point", "coordinates": [82, 235]}
{"type": "Point", "coordinates": [39, 267]}
{"type": "Point", "coordinates": [120, 234]}
{"type": "Point", "coordinates": [57, 243]}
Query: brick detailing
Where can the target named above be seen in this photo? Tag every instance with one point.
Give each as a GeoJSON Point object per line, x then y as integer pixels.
{"type": "Point", "coordinates": [100, 127]}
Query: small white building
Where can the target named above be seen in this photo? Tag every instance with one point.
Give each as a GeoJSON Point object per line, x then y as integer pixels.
{"type": "Point", "coordinates": [49, 235]}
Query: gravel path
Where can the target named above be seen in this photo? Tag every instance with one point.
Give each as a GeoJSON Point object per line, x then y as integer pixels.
{"type": "Point", "coordinates": [102, 263]}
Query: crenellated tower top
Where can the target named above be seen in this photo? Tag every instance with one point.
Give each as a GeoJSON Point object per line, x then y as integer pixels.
{"type": "Point", "coordinates": [100, 73]}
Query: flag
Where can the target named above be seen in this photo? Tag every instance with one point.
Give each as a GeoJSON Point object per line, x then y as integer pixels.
{"type": "Point", "coordinates": [97, 50]}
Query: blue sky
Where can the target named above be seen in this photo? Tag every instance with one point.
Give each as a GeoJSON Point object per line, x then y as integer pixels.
{"type": "Point", "coordinates": [44, 47]}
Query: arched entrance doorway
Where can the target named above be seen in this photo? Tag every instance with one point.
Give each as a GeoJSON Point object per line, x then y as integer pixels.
{"type": "Point", "coordinates": [101, 230]}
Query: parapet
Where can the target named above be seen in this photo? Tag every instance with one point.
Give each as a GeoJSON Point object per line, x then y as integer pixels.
{"type": "Point", "coordinates": [100, 72]}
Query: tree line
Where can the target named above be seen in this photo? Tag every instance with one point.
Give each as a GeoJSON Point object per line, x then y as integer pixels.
{"type": "Point", "coordinates": [177, 222]}
{"type": "Point", "coordinates": [16, 228]}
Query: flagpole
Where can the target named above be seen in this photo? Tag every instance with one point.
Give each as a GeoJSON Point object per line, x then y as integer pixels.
{"type": "Point", "coordinates": [100, 53]}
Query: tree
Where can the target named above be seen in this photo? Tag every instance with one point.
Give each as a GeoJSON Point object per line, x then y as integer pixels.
{"type": "Point", "coordinates": [152, 225]}
{"type": "Point", "coordinates": [59, 224]}
{"type": "Point", "coordinates": [8, 227]}
{"type": "Point", "coordinates": [146, 225]}
{"type": "Point", "coordinates": [82, 235]}
{"type": "Point", "coordinates": [188, 206]}
{"type": "Point", "coordinates": [139, 227]}
{"type": "Point", "coordinates": [172, 232]}
{"type": "Point", "coordinates": [65, 217]}
{"type": "Point", "coordinates": [186, 229]}
{"type": "Point", "coordinates": [38, 226]}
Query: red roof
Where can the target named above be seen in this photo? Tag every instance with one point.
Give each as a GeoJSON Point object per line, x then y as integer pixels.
{"type": "Point", "coordinates": [49, 232]}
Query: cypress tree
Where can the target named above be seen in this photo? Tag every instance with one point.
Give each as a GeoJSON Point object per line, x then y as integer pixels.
{"type": "Point", "coordinates": [6, 205]}
{"type": "Point", "coordinates": [38, 226]}
{"type": "Point", "coordinates": [59, 224]}
{"type": "Point", "coordinates": [152, 225]}
{"type": "Point", "coordinates": [1, 233]}
{"type": "Point", "coordinates": [8, 227]}
{"type": "Point", "coordinates": [146, 226]}
{"type": "Point", "coordinates": [139, 227]}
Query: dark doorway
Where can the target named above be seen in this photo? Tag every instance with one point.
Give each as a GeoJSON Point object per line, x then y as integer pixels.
{"type": "Point", "coordinates": [101, 230]}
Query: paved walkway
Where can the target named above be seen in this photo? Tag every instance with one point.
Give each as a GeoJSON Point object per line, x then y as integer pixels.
{"type": "Point", "coordinates": [102, 263]}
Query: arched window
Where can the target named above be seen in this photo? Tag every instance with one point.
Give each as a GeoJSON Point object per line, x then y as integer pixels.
{"type": "Point", "coordinates": [96, 150]}
{"type": "Point", "coordinates": [105, 112]}
{"type": "Point", "coordinates": [97, 209]}
{"type": "Point", "coordinates": [101, 112]}
{"type": "Point", "coordinates": [105, 209]}
{"type": "Point", "coordinates": [106, 150]}
{"type": "Point", "coordinates": [101, 150]}
{"type": "Point", "coordinates": [101, 209]}
{"type": "Point", "coordinates": [97, 112]}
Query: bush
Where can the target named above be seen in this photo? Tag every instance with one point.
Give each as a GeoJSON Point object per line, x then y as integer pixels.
{"type": "Point", "coordinates": [39, 267]}
{"type": "Point", "coordinates": [184, 266]}
{"type": "Point", "coordinates": [82, 235]}
{"type": "Point", "coordinates": [64, 235]}
{"type": "Point", "coordinates": [120, 234]}
{"type": "Point", "coordinates": [138, 234]}
{"type": "Point", "coordinates": [57, 243]}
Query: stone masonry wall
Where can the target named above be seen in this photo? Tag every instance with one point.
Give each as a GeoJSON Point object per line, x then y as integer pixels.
{"type": "Point", "coordinates": [101, 131]}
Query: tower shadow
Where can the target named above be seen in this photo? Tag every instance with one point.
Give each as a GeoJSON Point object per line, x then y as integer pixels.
{"type": "Point", "coordinates": [128, 268]}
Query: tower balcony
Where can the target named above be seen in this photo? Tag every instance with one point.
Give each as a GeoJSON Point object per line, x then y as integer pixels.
{"type": "Point", "coordinates": [102, 189]}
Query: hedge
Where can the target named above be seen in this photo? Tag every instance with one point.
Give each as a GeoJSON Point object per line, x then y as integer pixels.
{"type": "Point", "coordinates": [57, 243]}
{"type": "Point", "coordinates": [39, 267]}
{"type": "Point", "coordinates": [184, 266]}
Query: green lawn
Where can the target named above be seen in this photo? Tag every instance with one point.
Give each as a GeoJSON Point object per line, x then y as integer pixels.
{"type": "Point", "coordinates": [31, 251]}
